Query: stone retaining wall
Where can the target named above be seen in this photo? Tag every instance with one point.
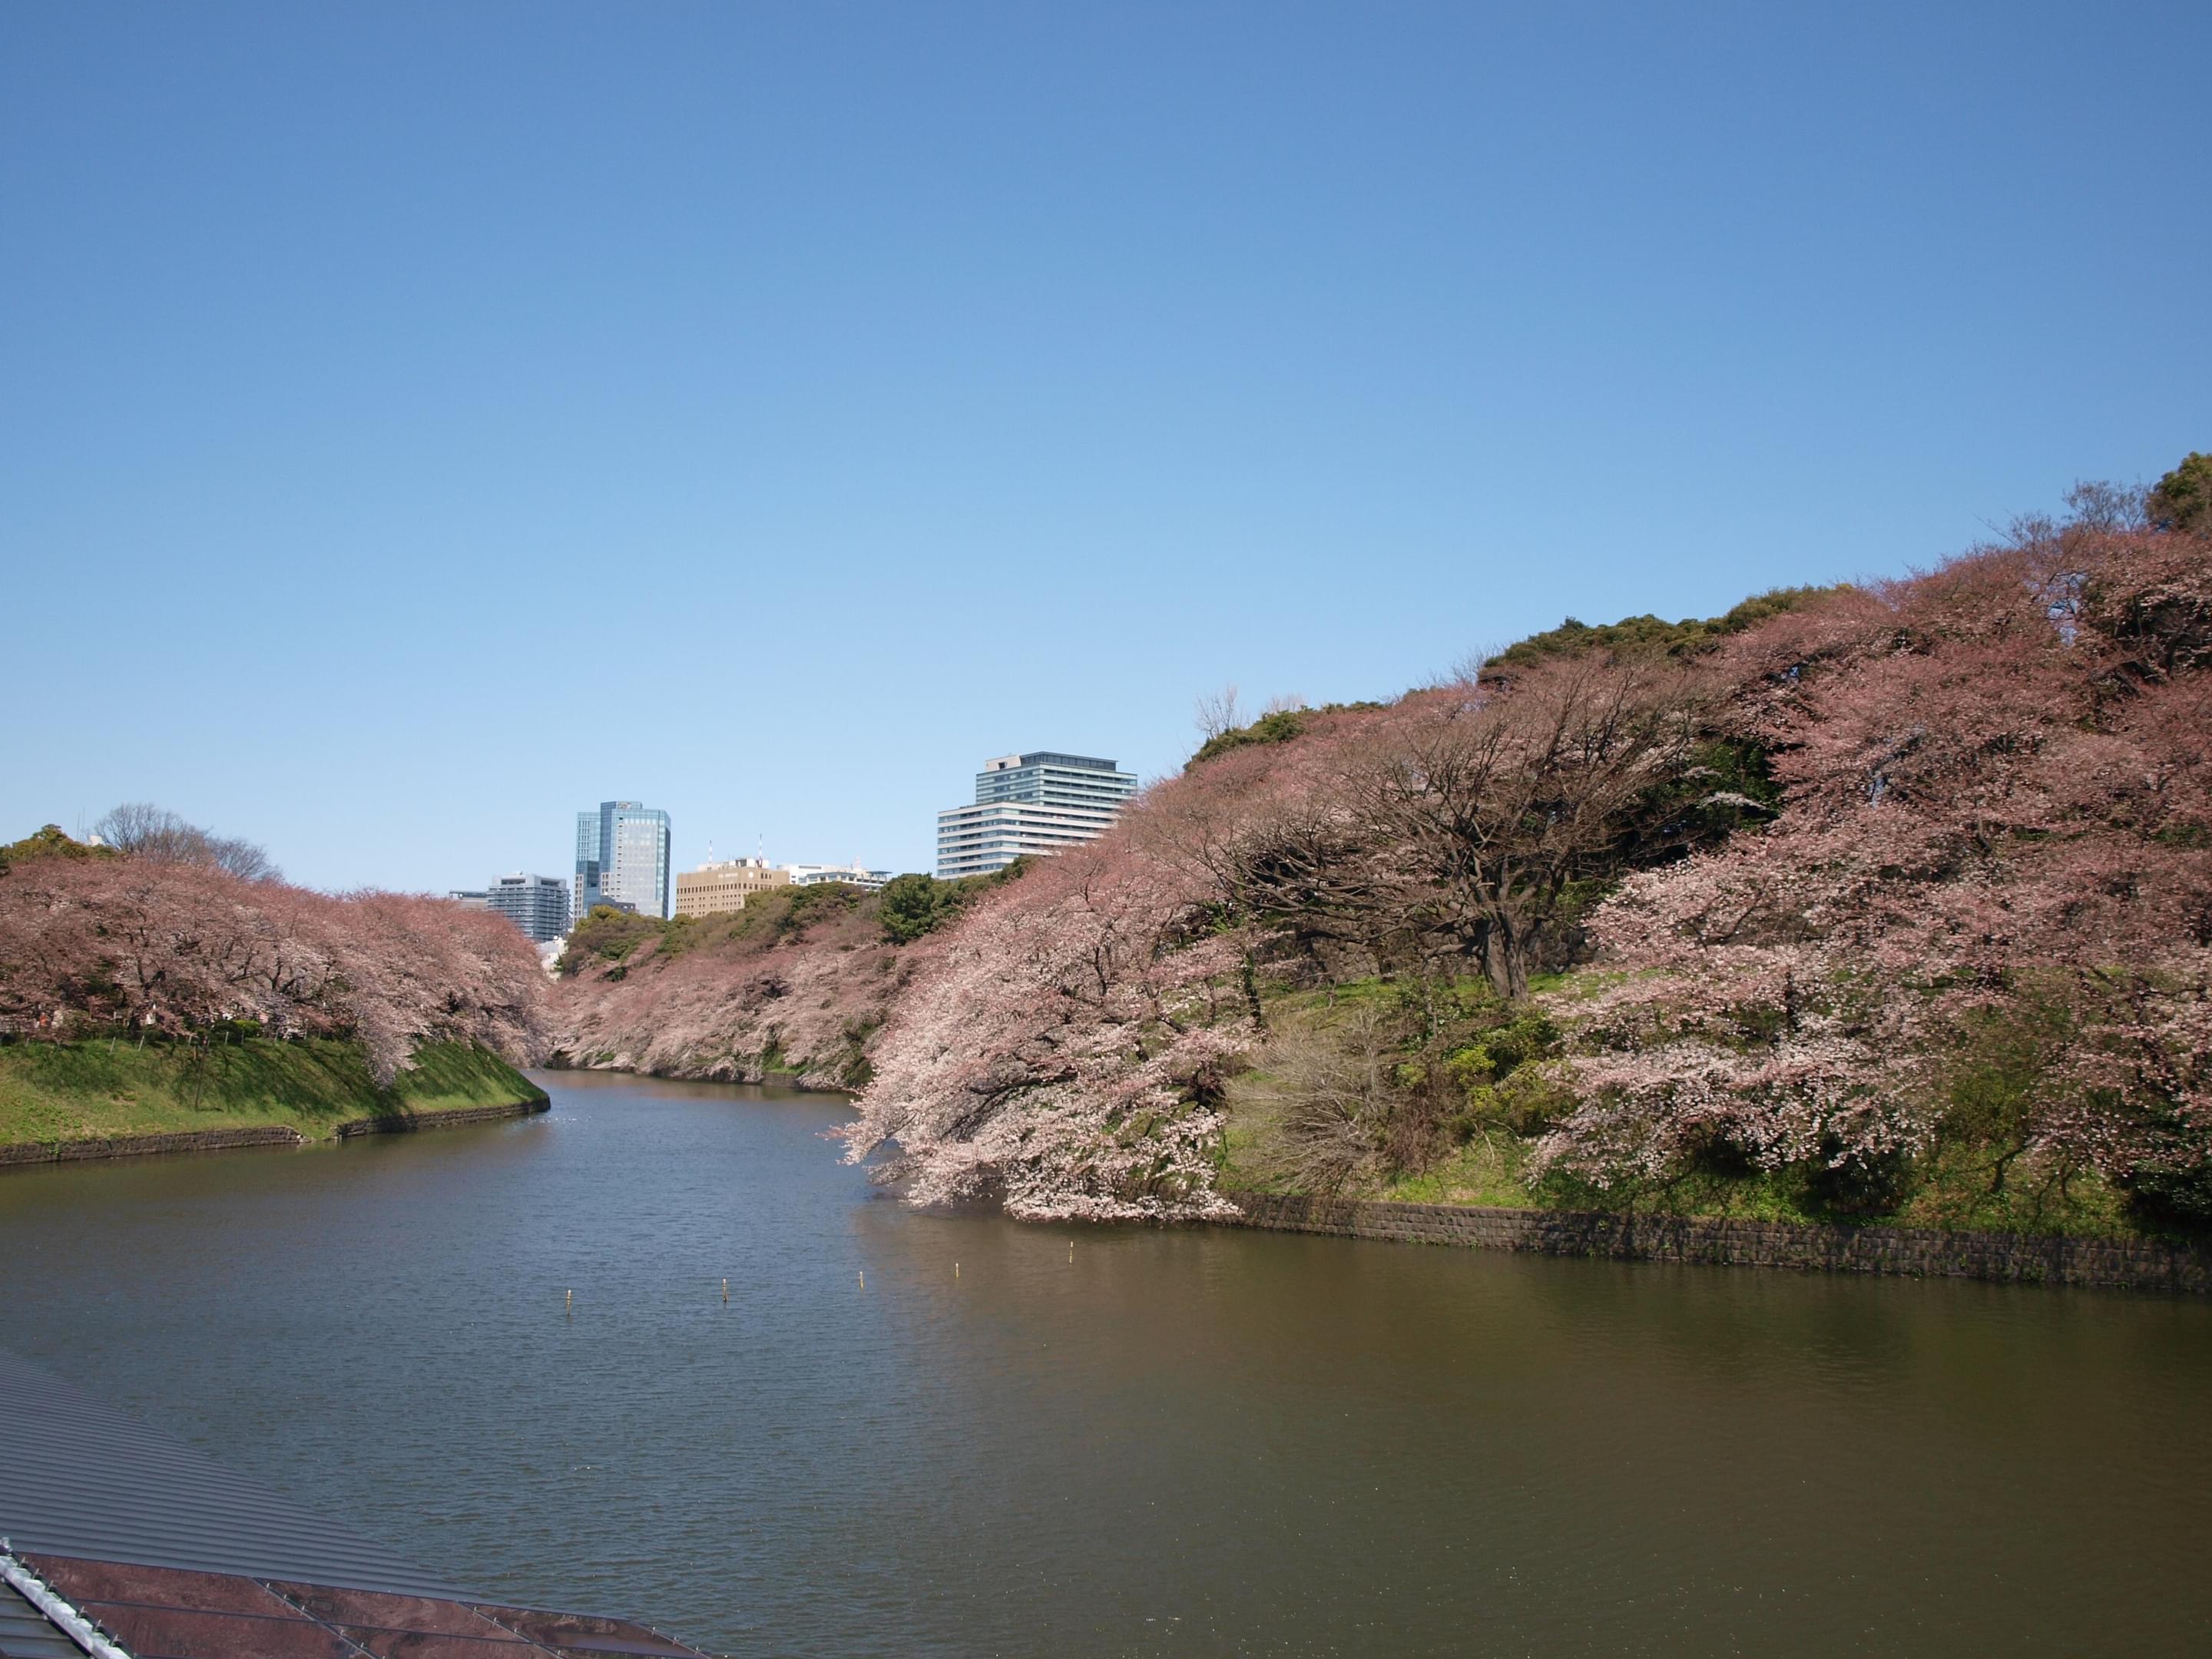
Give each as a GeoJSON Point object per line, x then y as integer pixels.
{"type": "Point", "coordinates": [216, 1140]}
{"type": "Point", "coordinates": [405, 1122]}
{"type": "Point", "coordinates": [1918, 1252]}
{"type": "Point", "coordinates": [191, 1140]}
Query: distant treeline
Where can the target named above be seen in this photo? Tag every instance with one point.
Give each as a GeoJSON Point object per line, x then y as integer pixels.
{"type": "Point", "coordinates": [180, 931]}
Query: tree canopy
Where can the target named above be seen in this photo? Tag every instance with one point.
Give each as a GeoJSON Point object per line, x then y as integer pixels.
{"type": "Point", "coordinates": [2182, 499]}
{"type": "Point", "coordinates": [143, 830]}
{"type": "Point", "coordinates": [48, 842]}
{"type": "Point", "coordinates": [1804, 866]}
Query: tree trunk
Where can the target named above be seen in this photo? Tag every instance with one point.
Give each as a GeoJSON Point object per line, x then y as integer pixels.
{"type": "Point", "coordinates": [1504, 958]}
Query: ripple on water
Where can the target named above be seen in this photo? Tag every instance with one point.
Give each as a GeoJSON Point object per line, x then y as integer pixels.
{"type": "Point", "coordinates": [1183, 1441]}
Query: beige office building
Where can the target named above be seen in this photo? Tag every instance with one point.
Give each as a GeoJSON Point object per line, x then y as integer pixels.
{"type": "Point", "coordinates": [713, 889]}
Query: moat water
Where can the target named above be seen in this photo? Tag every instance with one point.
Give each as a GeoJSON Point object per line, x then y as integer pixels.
{"type": "Point", "coordinates": [1175, 1442]}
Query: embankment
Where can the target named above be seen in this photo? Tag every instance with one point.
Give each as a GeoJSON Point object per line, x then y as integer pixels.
{"type": "Point", "coordinates": [790, 990]}
{"type": "Point", "coordinates": [1914, 1252]}
{"type": "Point", "coordinates": [66, 1102]}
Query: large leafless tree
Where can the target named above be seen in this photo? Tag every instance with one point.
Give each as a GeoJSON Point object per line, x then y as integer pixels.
{"type": "Point", "coordinates": [139, 829]}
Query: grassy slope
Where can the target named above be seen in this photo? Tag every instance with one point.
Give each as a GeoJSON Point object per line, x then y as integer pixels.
{"type": "Point", "coordinates": [1953, 1192]}
{"type": "Point", "coordinates": [1963, 1184]}
{"type": "Point", "coordinates": [86, 1091]}
{"type": "Point", "coordinates": [1956, 1188]}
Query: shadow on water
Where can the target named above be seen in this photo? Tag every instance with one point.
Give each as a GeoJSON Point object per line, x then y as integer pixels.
{"type": "Point", "coordinates": [1162, 1441]}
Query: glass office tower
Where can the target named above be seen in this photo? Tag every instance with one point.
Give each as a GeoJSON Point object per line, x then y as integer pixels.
{"type": "Point", "coordinates": [621, 858]}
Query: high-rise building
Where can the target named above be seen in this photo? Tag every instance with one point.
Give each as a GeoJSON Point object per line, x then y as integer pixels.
{"type": "Point", "coordinates": [1027, 804]}
{"type": "Point", "coordinates": [536, 904]}
{"type": "Point", "coordinates": [539, 905]}
{"type": "Point", "coordinates": [622, 854]}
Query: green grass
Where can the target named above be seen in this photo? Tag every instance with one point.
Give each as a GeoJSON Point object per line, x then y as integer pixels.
{"type": "Point", "coordinates": [1485, 1171]}
{"type": "Point", "coordinates": [93, 1091]}
{"type": "Point", "coordinates": [1957, 1189]}
{"type": "Point", "coordinates": [1977, 1178]}
{"type": "Point", "coordinates": [1234, 1171]}
{"type": "Point", "coordinates": [1951, 1192]}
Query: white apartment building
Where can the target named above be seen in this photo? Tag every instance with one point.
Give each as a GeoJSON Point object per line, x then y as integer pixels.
{"type": "Point", "coordinates": [855, 874]}
{"type": "Point", "coordinates": [1027, 805]}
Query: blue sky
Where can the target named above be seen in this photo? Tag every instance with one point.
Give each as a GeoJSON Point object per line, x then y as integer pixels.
{"type": "Point", "coordinates": [420, 421]}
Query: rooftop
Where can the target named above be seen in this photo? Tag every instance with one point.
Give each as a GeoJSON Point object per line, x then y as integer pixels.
{"type": "Point", "coordinates": [1049, 757]}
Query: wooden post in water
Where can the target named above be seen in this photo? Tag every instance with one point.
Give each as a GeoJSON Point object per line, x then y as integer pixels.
{"type": "Point", "coordinates": [569, 1306]}
{"type": "Point", "coordinates": [725, 1292]}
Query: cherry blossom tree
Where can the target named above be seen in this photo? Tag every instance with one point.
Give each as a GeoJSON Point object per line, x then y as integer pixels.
{"type": "Point", "coordinates": [1062, 1049]}
{"type": "Point", "coordinates": [1847, 835]}
{"type": "Point", "coordinates": [740, 999]}
{"type": "Point", "coordinates": [1493, 797]}
{"type": "Point", "coordinates": [176, 946]}
{"type": "Point", "coordinates": [1996, 808]}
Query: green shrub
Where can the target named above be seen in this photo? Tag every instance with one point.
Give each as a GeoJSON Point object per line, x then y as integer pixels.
{"type": "Point", "coordinates": [1283, 726]}
{"type": "Point", "coordinates": [913, 906]}
{"type": "Point", "coordinates": [49, 842]}
{"type": "Point", "coordinates": [1649, 633]}
{"type": "Point", "coordinates": [607, 934]}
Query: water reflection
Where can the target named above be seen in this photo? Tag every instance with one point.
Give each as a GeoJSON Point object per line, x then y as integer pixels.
{"type": "Point", "coordinates": [1177, 1441]}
